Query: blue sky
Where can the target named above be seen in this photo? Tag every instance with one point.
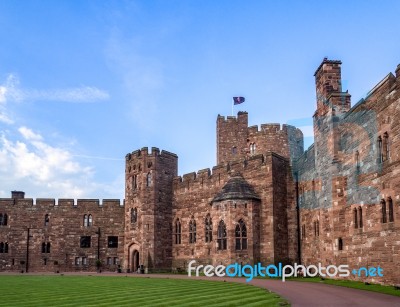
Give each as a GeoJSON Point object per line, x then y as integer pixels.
{"type": "Point", "coordinates": [83, 83]}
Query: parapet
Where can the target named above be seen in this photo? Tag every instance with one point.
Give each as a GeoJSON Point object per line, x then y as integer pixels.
{"type": "Point", "coordinates": [144, 151]}
{"type": "Point", "coordinates": [64, 202]}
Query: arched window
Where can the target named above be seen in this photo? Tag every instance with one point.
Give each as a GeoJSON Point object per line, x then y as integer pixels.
{"type": "Point", "coordinates": [85, 221]}
{"type": "Point", "coordinates": [1, 247]}
{"type": "Point", "coordinates": [383, 204]}
{"type": "Point", "coordinates": [178, 232]}
{"type": "Point", "coordinates": [46, 220]}
{"type": "Point", "coordinates": [380, 154]}
{"type": "Point", "coordinates": [1, 219]}
{"type": "Point", "coordinates": [208, 225]}
{"type": "Point", "coordinates": [360, 217]}
{"type": "Point", "coordinates": [340, 244]}
{"type": "Point", "coordinates": [148, 179]}
{"type": "Point", "coordinates": [192, 231]}
{"type": "Point", "coordinates": [355, 218]}
{"type": "Point", "coordinates": [133, 215]}
{"type": "Point", "coordinates": [5, 218]}
{"type": "Point", "coordinates": [6, 247]}
{"type": "Point", "coordinates": [90, 220]}
{"type": "Point", "coordinates": [385, 147]}
{"type": "Point", "coordinates": [391, 213]}
{"type": "Point", "coordinates": [241, 235]}
{"type": "Point", "coordinates": [221, 236]}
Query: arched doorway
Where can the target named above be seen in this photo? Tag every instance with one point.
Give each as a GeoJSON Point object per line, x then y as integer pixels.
{"type": "Point", "coordinates": [135, 260]}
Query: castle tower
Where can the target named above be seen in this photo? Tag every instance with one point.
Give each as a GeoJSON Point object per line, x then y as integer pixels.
{"type": "Point", "coordinates": [148, 208]}
{"type": "Point", "coordinates": [232, 137]}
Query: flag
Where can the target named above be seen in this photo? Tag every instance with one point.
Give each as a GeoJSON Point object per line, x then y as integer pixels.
{"type": "Point", "coordinates": [238, 100]}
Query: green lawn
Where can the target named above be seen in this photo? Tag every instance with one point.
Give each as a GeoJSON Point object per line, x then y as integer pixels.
{"type": "Point", "coordinates": [127, 291]}
{"type": "Point", "coordinates": [351, 284]}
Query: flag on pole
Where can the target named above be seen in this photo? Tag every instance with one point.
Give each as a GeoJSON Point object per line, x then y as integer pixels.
{"type": "Point", "coordinates": [238, 100]}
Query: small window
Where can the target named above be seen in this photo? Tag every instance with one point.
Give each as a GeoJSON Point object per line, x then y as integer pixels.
{"type": "Point", "coordinates": [391, 213]}
{"type": "Point", "coordinates": [112, 241]}
{"type": "Point", "coordinates": [385, 147]}
{"type": "Point", "coordinates": [77, 261]}
{"type": "Point", "coordinates": [109, 260]}
{"type": "Point", "coordinates": [380, 152]}
{"type": "Point", "coordinates": [116, 260]}
{"type": "Point", "coordinates": [133, 215]}
{"type": "Point", "coordinates": [355, 218]}
{"type": "Point", "coordinates": [340, 244]}
{"type": "Point", "coordinates": [46, 247]}
{"type": "Point", "coordinates": [252, 148]}
{"type": "Point", "coordinates": [148, 179]}
{"type": "Point", "coordinates": [84, 261]}
{"type": "Point", "coordinates": [383, 209]}
{"type": "Point", "coordinates": [3, 219]}
{"type": "Point", "coordinates": [134, 182]}
{"type": "Point", "coordinates": [85, 241]}
{"type": "Point", "coordinates": [90, 220]}
{"type": "Point", "coordinates": [234, 150]}
{"type": "Point", "coordinates": [360, 217]}
{"type": "Point", "coordinates": [46, 220]}
{"type": "Point", "coordinates": [357, 160]}
{"type": "Point", "coordinates": [85, 221]}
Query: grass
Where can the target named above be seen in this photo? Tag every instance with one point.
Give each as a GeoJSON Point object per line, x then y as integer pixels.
{"type": "Point", "coordinates": [352, 284]}
{"type": "Point", "coordinates": [127, 291]}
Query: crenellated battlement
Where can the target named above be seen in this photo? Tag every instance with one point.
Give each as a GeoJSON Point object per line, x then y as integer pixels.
{"type": "Point", "coordinates": [144, 152]}
{"type": "Point", "coordinates": [62, 202]}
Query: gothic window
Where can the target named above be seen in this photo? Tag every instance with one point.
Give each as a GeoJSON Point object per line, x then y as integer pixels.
{"type": "Point", "coordinates": [90, 220]}
{"type": "Point", "coordinates": [241, 235]}
{"type": "Point", "coordinates": [221, 236]}
{"type": "Point", "coordinates": [355, 218]}
{"type": "Point", "coordinates": [192, 231]}
{"type": "Point", "coordinates": [133, 215]}
{"type": "Point", "coordinates": [390, 205]}
{"type": "Point", "coordinates": [385, 147]}
{"type": "Point", "coordinates": [46, 247]}
{"type": "Point", "coordinates": [85, 220]}
{"type": "Point", "coordinates": [208, 225]}
{"type": "Point", "coordinates": [85, 242]}
{"type": "Point", "coordinates": [360, 217]}
{"type": "Point", "coordinates": [178, 232]}
{"type": "Point", "coordinates": [383, 208]}
{"type": "Point", "coordinates": [148, 179]}
{"type": "Point", "coordinates": [380, 154]}
{"type": "Point", "coordinates": [112, 241]}
{"type": "Point", "coordinates": [46, 220]}
{"type": "Point", "coordinates": [340, 244]}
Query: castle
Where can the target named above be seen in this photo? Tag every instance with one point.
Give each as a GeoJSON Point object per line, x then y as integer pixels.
{"type": "Point", "coordinates": [267, 200]}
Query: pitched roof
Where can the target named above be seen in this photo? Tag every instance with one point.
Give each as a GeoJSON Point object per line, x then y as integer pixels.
{"type": "Point", "coordinates": [236, 188]}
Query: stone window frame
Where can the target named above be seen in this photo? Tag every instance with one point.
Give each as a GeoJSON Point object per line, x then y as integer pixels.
{"type": "Point", "coordinates": [3, 247]}
{"type": "Point", "coordinates": [360, 218]}
{"type": "Point", "coordinates": [178, 232]}
{"type": "Point", "coordinates": [241, 235]}
{"type": "Point", "coordinates": [85, 241]}
{"type": "Point", "coordinates": [112, 241]}
{"type": "Point", "coordinates": [303, 232]}
{"type": "Point", "coordinates": [355, 218]}
{"type": "Point", "coordinates": [46, 247]}
{"type": "Point", "coordinates": [340, 244]}
{"type": "Point", "coordinates": [3, 219]}
{"type": "Point", "coordinates": [252, 148]}
{"type": "Point", "coordinates": [385, 147]}
{"type": "Point", "coordinates": [134, 182]}
{"type": "Point", "coordinates": [221, 236]}
{"type": "Point", "coordinates": [46, 220]}
{"type": "Point", "coordinates": [192, 231]}
{"type": "Point", "coordinates": [87, 220]}
{"type": "Point", "coordinates": [390, 209]}
{"type": "Point", "coordinates": [383, 211]}
{"type": "Point", "coordinates": [380, 150]}
{"type": "Point", "coordinates": [208, 228]}
{"type": "Point", "coordinates": [148, 180]}
{"type": "Point", "coordinates": [134, 215]}
{"type": "Point", "coordinates": [316, 228]}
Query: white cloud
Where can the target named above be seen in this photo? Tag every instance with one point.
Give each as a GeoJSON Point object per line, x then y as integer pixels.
{"type": "Point", "coordinates": [12, 91]}
{"type": "Point", "coordinates": [5, 119]}
{"type": "Point", "coordinates": [47, 170]}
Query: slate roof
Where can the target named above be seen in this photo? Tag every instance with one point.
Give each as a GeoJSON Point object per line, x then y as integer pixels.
{"type": "Point", "coordinates": [236, 188]}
